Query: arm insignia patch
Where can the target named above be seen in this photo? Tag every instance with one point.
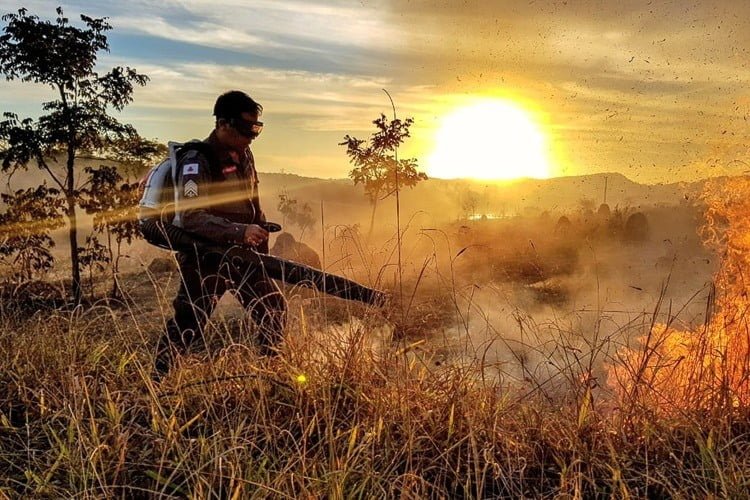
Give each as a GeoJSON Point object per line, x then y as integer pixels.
{"type": "Point", "coordinates": [191, 189]}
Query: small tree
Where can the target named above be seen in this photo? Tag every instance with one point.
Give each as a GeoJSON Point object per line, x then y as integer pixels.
{"type": "Point", "coordinates": [25, 229]}
{"type": "Point", "coordinates": [376, 166]}
{"type": "Point", "coordinates": [94, 257]}
{"type": "Point", "coordinates": [62, 56]}
{"type": "Point", "coordinates": [135, 155]}
{"type": "Point", "coordinates": [300, 215]}
{"type": "Point", "coordinates": [469, 203]}
{"type": "Point", "coordinates": [586, 205]}
{"type": "Point", "coordinates": [113, 203]}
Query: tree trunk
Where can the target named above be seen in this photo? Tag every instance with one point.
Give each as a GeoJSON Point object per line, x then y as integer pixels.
{"type": "Point", "coordinates": [372, 220]}
{"type": "Point", "coordinates": [75, 286]}
{"type": "Point", "coordinates": [114, 293]}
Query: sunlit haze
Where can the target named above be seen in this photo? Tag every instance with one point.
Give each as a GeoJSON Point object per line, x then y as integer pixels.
{"type": "Point", "coordinates": [490, 139]}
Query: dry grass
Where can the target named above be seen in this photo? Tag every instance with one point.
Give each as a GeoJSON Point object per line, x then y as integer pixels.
{"type": "Point", "coordinates": [357, 405]}
{"type": "Point", "coordinates": [80, 417]}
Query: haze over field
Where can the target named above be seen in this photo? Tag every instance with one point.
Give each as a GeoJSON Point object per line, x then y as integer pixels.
{"type": "Point", "coordinates": [524, 115]}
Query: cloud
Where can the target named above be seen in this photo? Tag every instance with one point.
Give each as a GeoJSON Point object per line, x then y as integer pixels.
{"type": "Point", "coordinates": [289, 34]}
{"type": "Point", "coordinates": [641, 87]}
{"type": "Point", "coordinates": [318, 100]}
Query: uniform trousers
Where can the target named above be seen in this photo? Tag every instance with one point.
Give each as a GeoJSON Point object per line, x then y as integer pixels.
{"type": "Point", "coordinates": [204, 280]}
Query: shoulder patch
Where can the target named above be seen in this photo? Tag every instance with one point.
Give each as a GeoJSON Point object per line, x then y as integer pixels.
{"type": "Point", "coordinates": [190, 169]}
{"type": "Point", "coordinates": [191, 189]}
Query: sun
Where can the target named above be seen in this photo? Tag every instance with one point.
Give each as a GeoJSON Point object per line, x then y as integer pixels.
{"type": "Point", "coordinates": [491, 139]}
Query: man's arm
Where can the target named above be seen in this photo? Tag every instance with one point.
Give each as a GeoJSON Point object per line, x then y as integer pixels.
{"type": "Point", "coordinates": [253, 237]}
{"type": "Point", "coordinates": [252, 173]}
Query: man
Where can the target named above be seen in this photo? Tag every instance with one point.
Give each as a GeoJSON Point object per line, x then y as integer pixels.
{"type": "Point", "coordinates": [217, 201]}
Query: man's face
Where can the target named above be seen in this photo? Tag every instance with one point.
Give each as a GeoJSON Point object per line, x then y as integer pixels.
{"type": "Point", "coordinates": [237, 134]}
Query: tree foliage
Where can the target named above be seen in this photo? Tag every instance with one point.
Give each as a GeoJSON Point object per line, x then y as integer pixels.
{"type": "Point", "coordinates": [294, 212]}
{"type": "Point", "coordinates": [94, 258]}
{"type": "Point", "coordinates": [376, 164]}
{"type": "Point", "coordinates": [113, 203]}
{"type": "Point", "coordinates": [76, 122]}
{"type": "Point", "coordinates": [25, 226]}
{"type": "Point", "coordinates": [469, 203]}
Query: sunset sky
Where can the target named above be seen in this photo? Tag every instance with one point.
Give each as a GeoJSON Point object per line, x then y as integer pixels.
{"type": "Point", "coordinates": [656, 90]}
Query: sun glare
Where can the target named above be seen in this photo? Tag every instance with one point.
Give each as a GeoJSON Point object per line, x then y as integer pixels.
{"type": "Point", "coordinates": [492, 139]}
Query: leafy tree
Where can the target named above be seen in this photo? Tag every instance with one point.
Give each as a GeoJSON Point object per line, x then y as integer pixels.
{"type": "Point", "coordinates": [300, 215]}
{"type": "Point", "coordinates": [469, 203]}
{"type": "Point", "coordinates": [24, 229]}
{"type": "Point", "coordinates": [586, 205]}
{"type": "Point", "coordinates": [77, 122]}
{"type": "Point", "coordinates": [113, 203]}
{"type": "Point", "coordinates": [135, 155]}
{"type": "Point", "coordinates": [376, 164]}
{"type": "Point", "coordinates": [94, 257]}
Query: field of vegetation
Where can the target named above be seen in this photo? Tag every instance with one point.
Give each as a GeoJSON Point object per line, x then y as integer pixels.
{"type": "Point", "coordinates": [592, 353]}
{"type": "Point", "coordinates": [493, 374]}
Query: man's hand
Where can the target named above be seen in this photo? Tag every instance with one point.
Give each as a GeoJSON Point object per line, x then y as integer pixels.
{"type": "Point", "coordinates": [254, 235]}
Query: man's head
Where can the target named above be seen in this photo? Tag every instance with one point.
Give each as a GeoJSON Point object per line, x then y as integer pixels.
{"type": "Point", "coordinates": [237, 122]}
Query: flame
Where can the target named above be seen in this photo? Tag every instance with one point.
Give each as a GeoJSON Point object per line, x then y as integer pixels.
{"type": "Point", "coordinates": [709, 367]}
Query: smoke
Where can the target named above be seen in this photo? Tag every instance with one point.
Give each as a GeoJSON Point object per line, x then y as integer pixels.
{"type": "Point", "coordinates": [532, 307]}
{"type": "Point", "coordinates": [701, 367]}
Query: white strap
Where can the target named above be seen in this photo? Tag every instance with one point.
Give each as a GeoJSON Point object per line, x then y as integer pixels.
{"type": "Point", "coordinates": [173, 147]}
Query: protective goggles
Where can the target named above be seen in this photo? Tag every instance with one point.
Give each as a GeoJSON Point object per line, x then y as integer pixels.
{"type": "Point", "coordinates": [247, 128]}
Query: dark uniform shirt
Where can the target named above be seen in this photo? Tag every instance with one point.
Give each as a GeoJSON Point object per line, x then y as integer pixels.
{"type": "Point", "coordinates": [217, 192]}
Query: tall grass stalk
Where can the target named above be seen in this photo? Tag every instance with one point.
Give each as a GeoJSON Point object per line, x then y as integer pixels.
{"type": "Point", "coordinates": [519, 410]}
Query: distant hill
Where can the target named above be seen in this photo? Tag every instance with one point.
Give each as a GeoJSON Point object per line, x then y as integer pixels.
{"type": "Point", "coordinates": [438, 200]}
{"type": "Point", "coordinates": [445, 200]}
{"type": "Point", "coordinates": [430, 204]}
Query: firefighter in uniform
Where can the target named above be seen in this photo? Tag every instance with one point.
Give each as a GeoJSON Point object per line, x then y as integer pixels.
{"type": "Point", "coordinates": [217, 201]}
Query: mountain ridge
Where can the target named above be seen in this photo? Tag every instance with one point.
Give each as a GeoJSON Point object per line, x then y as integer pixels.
{"type": "Point", "coordinates": [448, 199]}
